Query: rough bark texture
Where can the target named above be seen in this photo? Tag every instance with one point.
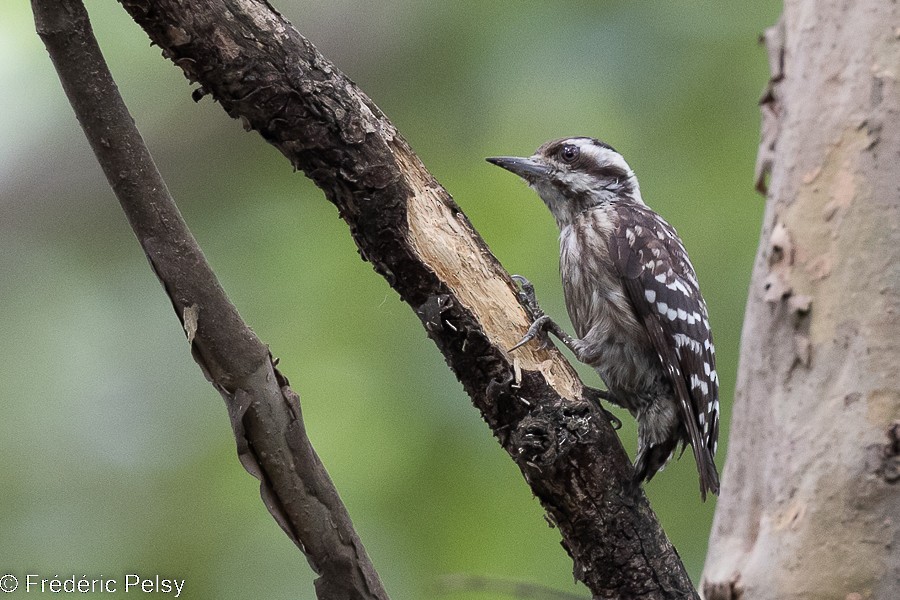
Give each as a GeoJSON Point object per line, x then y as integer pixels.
{"type": "Point", "coordinates": [262, 71]}
{"type": "Point", "coordinates": [810, 504]}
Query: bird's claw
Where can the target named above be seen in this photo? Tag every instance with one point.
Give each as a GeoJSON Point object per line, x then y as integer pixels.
{"type": "Point", "coordinates": [596, 396]}
{"type": "Point", "coordinates": [535, 331]}
{"type": "Point", "coordinates": [614, 421]}
{"type": "Point", "coordinates": [528, 297]}
{"type": "Point", "coordinates": [538, 326]}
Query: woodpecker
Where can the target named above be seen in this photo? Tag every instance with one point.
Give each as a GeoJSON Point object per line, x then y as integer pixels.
{"type": "Point", "coordinates": [633, 299]}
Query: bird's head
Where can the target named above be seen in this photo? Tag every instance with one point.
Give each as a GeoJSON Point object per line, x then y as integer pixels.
{"type": "Point", "coordinates": [572, 175]}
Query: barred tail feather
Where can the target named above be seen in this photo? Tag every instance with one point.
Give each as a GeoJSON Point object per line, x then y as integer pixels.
{"type": "Point", "coordinates": [709, 476]}
{"type": "Point", "coordinates": [653, 459]}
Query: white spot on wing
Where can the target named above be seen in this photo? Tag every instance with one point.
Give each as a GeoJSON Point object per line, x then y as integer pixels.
{"type": "Point", "coordinates": [699, 384]}
{"type": "Point", "coordinates": [682, 339]}
{"type": "Point", "coordinates": [650, 295]}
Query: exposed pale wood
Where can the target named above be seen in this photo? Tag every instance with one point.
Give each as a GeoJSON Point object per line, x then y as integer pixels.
{"type": "Point", "coordinates": [261, 70]}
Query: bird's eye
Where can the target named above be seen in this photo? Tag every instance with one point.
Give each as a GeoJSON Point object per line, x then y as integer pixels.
{"type": "Point", "coordinates": [569, 153]}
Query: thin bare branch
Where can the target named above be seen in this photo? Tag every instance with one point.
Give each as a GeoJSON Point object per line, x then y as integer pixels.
{"type": "Point", "coordinates": [265, 412]}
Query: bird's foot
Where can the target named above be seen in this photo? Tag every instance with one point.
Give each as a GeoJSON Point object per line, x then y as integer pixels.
{"type": "Point", "coordinates": [596, 396]}
{"type": "Point", "coordinates": [541, 321]}
{"type": "Point", "coordinates": [528, 297]}
{"type": "Point", "coordinates": [542, 324]}
{"type": "Point", "coordinates": [538, 330]}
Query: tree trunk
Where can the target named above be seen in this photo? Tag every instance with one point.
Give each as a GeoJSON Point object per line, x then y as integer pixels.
{"type": "Point", "coordinates": [810, 505]}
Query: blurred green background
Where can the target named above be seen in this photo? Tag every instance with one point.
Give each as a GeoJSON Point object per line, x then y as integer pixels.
{"type": "Point", "coordinates": [118, 457]}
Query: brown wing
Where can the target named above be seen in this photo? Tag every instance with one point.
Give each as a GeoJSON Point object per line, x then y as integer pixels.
{"type": "Point", "coordinates": [663, 290]}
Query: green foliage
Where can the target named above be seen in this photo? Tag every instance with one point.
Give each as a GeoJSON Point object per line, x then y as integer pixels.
{"type": "Point", "coordinates": [118, 456]}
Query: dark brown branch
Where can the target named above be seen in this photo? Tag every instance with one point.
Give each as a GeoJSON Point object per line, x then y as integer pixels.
{"type": "Point", "coordinates": [252, 61]}
{"type": "Point", "coordinates": [265, 412]}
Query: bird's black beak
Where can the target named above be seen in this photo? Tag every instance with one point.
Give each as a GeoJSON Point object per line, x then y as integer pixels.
{"type": "Point", "coordinates": [527, 168]}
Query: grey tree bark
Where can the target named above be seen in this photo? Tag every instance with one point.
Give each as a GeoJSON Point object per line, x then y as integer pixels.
{"type": "Point", "coordinates": [810, 505]}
